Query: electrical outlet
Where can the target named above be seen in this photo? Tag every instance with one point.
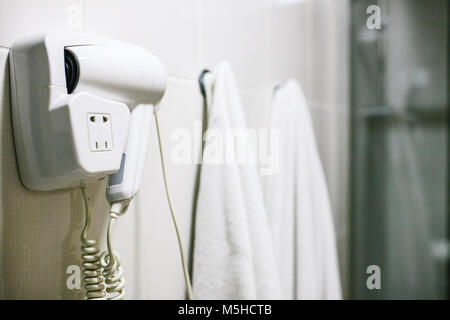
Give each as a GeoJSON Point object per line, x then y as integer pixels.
{"type": "Point", "coordinates": [100, 132]}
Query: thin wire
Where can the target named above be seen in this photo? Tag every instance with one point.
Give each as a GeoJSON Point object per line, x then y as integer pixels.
{"type": "Point", "coordinates": [112, 219]}
{"type": "Point", "coordinates": [187, 278]}
{"type": "Point", "coordinates": [87, 211]}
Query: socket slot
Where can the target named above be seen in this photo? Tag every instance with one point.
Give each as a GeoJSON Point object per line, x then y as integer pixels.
{"type": "Point", "coordinates": [100, 132]}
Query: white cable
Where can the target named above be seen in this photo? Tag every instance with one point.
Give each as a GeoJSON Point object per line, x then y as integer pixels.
{"type": "Point", "coordinates": [112, 270]}
{"type": "Point", "coordinates": [187, 279]}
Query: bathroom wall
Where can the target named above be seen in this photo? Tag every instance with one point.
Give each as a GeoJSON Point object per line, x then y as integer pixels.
{"type": "Point", "coordinates": [266, 41]}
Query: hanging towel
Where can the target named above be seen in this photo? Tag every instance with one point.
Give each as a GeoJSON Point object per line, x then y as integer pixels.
{"type": "Point", "coordinates": [233, 254]}
{"type": "Point", "coordinates": [298, 205]}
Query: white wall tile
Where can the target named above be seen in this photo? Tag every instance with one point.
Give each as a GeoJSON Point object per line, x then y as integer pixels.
{"type": "Point", "coordinates": [328, 66]}
{"type": "Point", "coordinates": [4, 65]}
{"type": "Point", "coordinates": [339, 141]}
{"type": "Point", "coordinates": [237, 31]}
{"type": "Point", "coordinates": [288, 47]}
{"type": "Point", "coordinates": [332, 136]}
{"type": "Point", "coordinates": [257, 108]}
{"type": "Point", "coordinates": [168, 28]}
{"type": "Point", "coordinates": [322, 121]}
{"type": "Point", "coordinates": [22, 17]}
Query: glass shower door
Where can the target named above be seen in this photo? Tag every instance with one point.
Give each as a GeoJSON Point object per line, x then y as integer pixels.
{"type": "Point", "coordinates": [400, 150]}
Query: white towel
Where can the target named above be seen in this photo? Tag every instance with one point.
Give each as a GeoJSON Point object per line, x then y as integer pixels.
{"type": "Point", "coordinates": [233, 255]}
{"type": "Point", "coordinates": [298, 205]}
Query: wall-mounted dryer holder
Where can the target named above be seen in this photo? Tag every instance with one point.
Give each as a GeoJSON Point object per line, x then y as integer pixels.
{"type": "Point", "coordinates": [81, 109]}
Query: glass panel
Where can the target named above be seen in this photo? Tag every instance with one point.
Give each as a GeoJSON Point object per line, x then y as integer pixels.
{"type": "Point", "coordinates": [400, 149]}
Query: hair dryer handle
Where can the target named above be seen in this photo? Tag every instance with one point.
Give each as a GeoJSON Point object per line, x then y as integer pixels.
{"type": "Point", "coordinates": [125, 183]}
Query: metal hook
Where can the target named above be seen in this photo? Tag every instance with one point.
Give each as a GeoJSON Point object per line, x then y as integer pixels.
{"type": "Point", "coordinates": [275, 89]}
{"type": "Point", "coordinates": [201, 82]}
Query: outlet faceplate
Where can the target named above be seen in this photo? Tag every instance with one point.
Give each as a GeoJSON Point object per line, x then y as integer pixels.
{"type": "Point", "coordinates": [100, 132]}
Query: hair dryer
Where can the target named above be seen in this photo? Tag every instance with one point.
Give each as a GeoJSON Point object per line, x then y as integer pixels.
{"type": "Point", "coordinates": [82, 108]}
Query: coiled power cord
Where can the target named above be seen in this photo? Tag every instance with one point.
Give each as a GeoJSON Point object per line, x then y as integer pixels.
{"type": "Point", "coordinates": [92, 270]}
{"type": "Point", "coordinates": [103, 274]}
{"type": "Point", "coordinates": [110, 259]}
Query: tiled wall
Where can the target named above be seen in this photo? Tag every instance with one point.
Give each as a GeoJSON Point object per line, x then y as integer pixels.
{"type": "Point", "coordinates": [266, 41]}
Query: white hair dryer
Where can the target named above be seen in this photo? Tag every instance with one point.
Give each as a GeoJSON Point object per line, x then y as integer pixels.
{"type": "Point", "coordinates": [82, 108]}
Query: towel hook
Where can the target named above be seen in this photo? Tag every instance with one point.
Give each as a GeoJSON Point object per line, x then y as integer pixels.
{"type": "Point", "coordinates": [201, 82]}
